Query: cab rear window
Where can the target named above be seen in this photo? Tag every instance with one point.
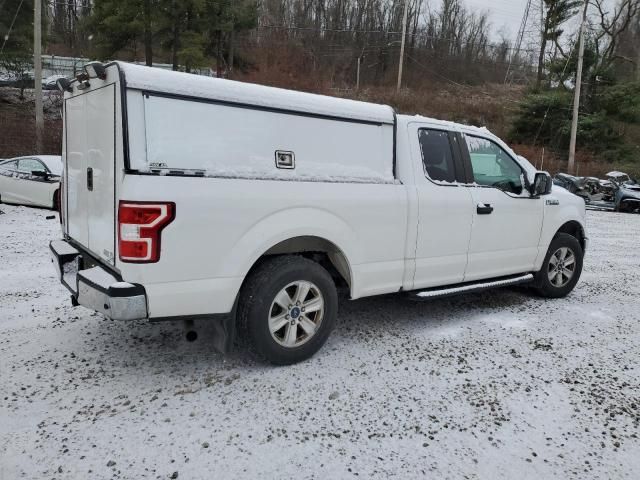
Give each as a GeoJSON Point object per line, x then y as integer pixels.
{"type": "Point", "coordinates": [437, 156]}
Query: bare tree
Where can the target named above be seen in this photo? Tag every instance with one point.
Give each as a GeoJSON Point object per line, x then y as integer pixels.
{"type": "Point", "coordinates": [611, 27]}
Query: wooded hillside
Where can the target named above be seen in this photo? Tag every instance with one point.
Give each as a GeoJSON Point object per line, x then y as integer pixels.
{"type": "Point", "coordinates": [456, 65]}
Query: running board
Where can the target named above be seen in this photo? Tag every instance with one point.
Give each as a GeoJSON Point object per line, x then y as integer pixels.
{"type": "Point", "coordinates": [441, 292]}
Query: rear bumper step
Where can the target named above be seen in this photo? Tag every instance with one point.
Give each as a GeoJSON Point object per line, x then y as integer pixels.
{"type": "Point", "coordinates": [441, 292]}
{"type": "Point", "coordinates": [96, 288]}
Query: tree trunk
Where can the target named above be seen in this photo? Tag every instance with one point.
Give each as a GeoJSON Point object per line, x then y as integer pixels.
{"type": "Point", "coordinates": [175, 45]}
{"type": "Point", "coordinates": [148, 37]}
{"type": "Point", "coordinates": [219, 59]}
{"type": "Point", "coordinates": [231, 52]}
{"type": "Point", "coordinates": [543, 48]}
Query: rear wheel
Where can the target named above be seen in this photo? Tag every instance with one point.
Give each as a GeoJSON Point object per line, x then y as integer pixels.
{"type": "Point", "coordinates": [561, 268]}
{"type": "Point", "coordinates": [288, 307]}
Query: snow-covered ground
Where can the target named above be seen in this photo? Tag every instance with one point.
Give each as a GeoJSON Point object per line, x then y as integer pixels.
{"type": "Point", "coordinates": [491, 385]}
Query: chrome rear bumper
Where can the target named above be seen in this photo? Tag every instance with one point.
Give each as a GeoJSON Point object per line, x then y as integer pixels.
{"type": "Point", "coordinates": [95, 287]}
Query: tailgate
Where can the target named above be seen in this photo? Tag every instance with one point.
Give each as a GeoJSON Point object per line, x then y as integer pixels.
{"type": "Point", "coordinates": [90, 165]}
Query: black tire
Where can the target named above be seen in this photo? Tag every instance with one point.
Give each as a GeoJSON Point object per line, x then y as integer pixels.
{"type": "Point", "coordinates": [56, 201]}
{"type": "Point", "coordinates": [256, 307]}
{"type": "Point", "coordinates": [542, 282]}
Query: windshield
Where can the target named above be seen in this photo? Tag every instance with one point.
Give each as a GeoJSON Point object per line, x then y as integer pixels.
{"type": "Point", "coordinates": [53, 163]}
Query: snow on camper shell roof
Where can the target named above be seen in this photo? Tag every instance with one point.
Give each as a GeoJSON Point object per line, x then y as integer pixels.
{"type": "Point", "coordinates": [178, 83]}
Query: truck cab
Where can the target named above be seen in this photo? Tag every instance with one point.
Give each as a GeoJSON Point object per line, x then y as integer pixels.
{"type": "Point", "coordinates": [188, 197]}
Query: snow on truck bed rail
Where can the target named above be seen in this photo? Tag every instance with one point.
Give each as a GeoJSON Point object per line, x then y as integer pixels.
{"type": "Point", "coordinates": [345, 174]}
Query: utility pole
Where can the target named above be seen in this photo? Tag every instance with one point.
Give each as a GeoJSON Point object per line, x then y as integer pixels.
{"type": "Point", "coordinates": [542, 25]}
{"type": "Point", "coordinates": [37, 72]}
{"type": "Point", "coordinates": [541, 21]}
{"type": "Point", "coordinates": [576, 95]}
{"type": "Point", "coordinates": [360, 57]}
{"type": "Point", "coordinates": [404, 34]}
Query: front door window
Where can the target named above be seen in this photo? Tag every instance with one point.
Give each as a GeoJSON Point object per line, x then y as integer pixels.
{"type": "Point", "coordinates": [493, 167]}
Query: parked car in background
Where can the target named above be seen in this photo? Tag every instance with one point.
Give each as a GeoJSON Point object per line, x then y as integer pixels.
{"type": "Point", "coordinates": [49, 83]}
{"type": "Point", "coordinates": [32, 180]}
{"type": "Point", "coordinates": [617, 192]}
{"type": "Point", "coordinates": [583, 187]}
{"type": "Point", "coordinates": [626, 192]}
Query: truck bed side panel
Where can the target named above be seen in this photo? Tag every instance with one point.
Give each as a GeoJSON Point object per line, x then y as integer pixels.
{"type": "Point", "coordinates": [222, 226]}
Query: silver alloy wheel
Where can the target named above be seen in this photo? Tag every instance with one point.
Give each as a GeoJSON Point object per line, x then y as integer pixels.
{"type": "Point", "coordinates": [296, 314]}
{"type": "Point", "coordinates": [562, 266]}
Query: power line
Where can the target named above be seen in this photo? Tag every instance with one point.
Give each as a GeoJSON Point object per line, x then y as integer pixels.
{"type": "Point", "coordinates": [372, 49]}
{"type": "Point", "coordinates": [68, 4]}
{"type": "Point", "coordinates": [383, 32]}
{"type": "Point", "coordinates": [549, 106]}
{"type": "Point", "coordinates": [453, 82]}
{"type": "Point", "coordinates": [6, 37]}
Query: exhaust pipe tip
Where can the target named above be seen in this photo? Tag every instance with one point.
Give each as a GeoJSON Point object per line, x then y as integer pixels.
{"type": "Point", "coordinates": [192, 336]}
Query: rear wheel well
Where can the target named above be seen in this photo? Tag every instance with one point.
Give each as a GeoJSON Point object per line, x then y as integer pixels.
{"type": "Point", "coordinates": [317, 249]}
{"type": "Point", "coordinates": [574, 229]}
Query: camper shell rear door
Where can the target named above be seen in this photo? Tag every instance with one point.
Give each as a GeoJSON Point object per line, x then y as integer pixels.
{"type": "Point", "coordinates": [90, 156]}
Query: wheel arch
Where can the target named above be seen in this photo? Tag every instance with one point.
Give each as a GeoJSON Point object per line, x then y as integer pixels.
{"type": "Point", "coordinates": [575, 229]}
{"type": "Point", "coordinates": [324, 252]}
{"type": "Point", "coordinates": [321, 235]}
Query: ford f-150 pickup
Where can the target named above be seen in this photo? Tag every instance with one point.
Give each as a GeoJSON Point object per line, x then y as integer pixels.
{"type": "Point", "coordinates": [188, 197]}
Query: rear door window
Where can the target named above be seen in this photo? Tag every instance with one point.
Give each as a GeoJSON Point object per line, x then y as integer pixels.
{"type": "Point", "coordinates": [9, 166]}
{"type": "Point", "coordinates": [437, 155]}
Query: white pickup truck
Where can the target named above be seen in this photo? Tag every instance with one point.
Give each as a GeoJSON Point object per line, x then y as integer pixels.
{"type": "Point", "coordinates": [187, 197]}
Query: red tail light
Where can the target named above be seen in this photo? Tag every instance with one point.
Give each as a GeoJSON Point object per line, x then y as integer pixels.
{"type": "Point", "coordinates": [139, 227]}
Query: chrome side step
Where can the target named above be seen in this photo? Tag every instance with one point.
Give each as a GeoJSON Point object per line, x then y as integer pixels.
{"type": "Point", "coordinates": [440, 292]}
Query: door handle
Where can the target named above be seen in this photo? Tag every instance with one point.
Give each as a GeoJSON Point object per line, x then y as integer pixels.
{"type": "Point", "coordinates": [484, 208]}
{"type": "Point", "coordinates": [90, 179]}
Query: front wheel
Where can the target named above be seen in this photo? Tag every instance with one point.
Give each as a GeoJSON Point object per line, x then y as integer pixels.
{"type": "Point", "coordinates": [561, 268]}
{"type": "Point", "coordinates": [288, 308]}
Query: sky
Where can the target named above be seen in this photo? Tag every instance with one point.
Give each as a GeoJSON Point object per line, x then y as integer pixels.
{"type": "Point", "coordinates": [506, 14]}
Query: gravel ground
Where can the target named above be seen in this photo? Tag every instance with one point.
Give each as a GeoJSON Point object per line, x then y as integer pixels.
{"type": "Point", "coordinates": [493, 385]}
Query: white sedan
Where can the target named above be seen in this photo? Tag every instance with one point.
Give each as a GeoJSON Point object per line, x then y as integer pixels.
{"type": "Point", "coordinates": [32, 180]}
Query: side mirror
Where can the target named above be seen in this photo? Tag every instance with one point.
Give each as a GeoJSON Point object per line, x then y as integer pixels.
{"type": "Point", "coordinates": [39, 173]}
{"type": "Point", "coordinates": [542, 184]}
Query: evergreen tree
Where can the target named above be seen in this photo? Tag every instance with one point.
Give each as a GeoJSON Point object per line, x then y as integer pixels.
{"type": "Point", "coordinates": [222, 19]}
{"type": "Point", "coordinates": [187, 32]}
{"type": "Point", "coordinates": [181, 30]}
{"type": "Point", "coordinates": [117, 24]}
{"type": "Point", "coordinates": [557, 12]}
